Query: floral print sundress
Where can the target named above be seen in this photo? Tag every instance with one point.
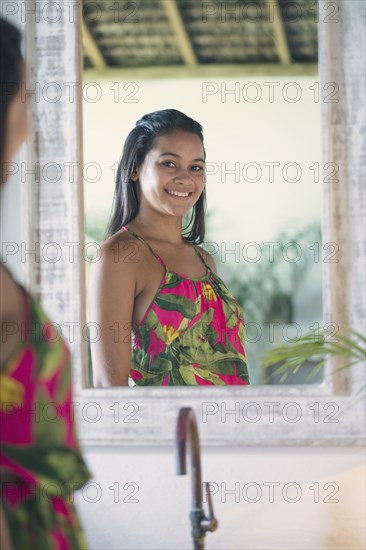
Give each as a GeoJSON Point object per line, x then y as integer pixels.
{"type": "Point", "coordinates": [41, 463]}
{"type": "Point", "coordinates": [191, 334]}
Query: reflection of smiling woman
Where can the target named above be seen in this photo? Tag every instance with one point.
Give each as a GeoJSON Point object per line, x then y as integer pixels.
{"type": "Point", "coordinates": [187, 327]}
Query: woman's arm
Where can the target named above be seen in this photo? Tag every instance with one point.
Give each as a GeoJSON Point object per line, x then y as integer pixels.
{"type": "Point", "coordinates": [11, 316]}
{"type": "Point", "coordinates": [5, 543]}
{"type": "Point", "coordinates": [111, 301]}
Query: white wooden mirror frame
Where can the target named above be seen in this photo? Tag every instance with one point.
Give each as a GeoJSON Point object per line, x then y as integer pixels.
{"type": "Point", "coordinates": [53, 213]}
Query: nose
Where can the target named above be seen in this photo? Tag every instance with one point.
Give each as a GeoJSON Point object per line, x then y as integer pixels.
{"type": "Point", "coordinates": [183, 175]}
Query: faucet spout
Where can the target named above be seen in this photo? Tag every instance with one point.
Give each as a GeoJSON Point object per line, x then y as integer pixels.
{"type": "Point", "coordinates": [187, 426]}
{"type": "Point", "coordinates": [187, 429]}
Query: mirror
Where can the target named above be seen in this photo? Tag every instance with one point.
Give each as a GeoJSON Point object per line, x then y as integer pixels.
{"type": "Point", "coordinates": [255, 90]}
{"type": "Point", "coordinates": [277, 414]}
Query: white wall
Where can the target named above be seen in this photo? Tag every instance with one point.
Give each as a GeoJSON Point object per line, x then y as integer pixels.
{"type": "Point", "coordinates": [10, 232]}
{"type": "Point", "coordinates": [160, 518]}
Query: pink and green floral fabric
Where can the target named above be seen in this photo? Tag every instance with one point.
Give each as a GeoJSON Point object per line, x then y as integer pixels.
{"type": "Point", "coordinates": [191, 334]}
{"type": "Point", "coordinates": [40, 458]}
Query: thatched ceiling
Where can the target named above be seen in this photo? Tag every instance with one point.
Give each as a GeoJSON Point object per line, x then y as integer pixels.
{"type": "Point", "coordinates": [151, 33]}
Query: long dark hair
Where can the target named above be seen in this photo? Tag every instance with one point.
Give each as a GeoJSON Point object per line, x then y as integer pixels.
{"type": "Point", "coordinates": [138, 143]}
{"type": "Point", "coordinates": [11, 62]}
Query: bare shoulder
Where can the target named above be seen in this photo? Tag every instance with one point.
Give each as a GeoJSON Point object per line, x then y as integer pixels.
{"type": "Point", "coordinates": [209, 259]}
{"type": "Point", "coordinates": [122, 250]}
{"type": "Point", "coordinates": [119, 260]}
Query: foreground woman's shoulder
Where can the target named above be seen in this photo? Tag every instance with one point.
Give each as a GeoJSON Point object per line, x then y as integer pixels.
{"type": "Point", "coordinates": [11, 315]}
{"type": "Point", "coordinates": [10, 296]}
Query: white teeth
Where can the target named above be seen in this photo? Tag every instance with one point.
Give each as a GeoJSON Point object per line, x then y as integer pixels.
{"type": "Point", "coordinates": [178, 194]}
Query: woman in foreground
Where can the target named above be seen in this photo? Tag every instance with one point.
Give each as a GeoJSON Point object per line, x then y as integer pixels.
{"type": "Point", "coordinates": [150, 279]}
{"type": "Point", "coordinates": [40, 458]}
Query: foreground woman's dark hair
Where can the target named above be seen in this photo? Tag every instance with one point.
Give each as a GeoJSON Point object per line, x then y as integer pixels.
{"type": "Point", "coordinates": [10, 78]}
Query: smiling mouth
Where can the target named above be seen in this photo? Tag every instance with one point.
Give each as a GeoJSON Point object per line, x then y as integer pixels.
{"type": "Point", "coordinates": [181, 197]}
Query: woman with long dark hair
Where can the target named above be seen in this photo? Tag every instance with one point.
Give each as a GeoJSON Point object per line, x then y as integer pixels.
{"type": "Point", "coordinates": [153, 280]}
{"type": "Point", "coordinates": [40, 458]}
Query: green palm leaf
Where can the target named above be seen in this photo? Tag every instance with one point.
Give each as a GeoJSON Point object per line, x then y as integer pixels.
{"type": "Point", "coordinates": [316, 348]}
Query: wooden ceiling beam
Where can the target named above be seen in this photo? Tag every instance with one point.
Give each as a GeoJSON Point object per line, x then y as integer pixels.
{"type": "Point", "coordinates": [92, 49]}
{"type": "Point", "coordinates": [280, 38]}
{"type": "Point", "coordinates": [183, 41]}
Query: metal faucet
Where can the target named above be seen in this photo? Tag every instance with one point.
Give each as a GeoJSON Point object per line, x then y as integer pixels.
{"type": "Point", "coordinates": [187, 426]}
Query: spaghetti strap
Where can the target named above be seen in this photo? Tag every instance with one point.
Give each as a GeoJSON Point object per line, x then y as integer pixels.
{"type": "Point", "coordinates": [208, 269]}
{"type": "Point", "coordinates": [126, 228]}
{"type": "Point", "coordinates": [200, 256]}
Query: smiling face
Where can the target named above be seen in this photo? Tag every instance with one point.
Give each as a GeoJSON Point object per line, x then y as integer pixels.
{"type": "Point", "coordinates": [176, 164]}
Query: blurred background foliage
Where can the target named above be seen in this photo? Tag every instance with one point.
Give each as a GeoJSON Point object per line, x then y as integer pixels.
{"type": "Point", "coordinates": [269, 291]}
